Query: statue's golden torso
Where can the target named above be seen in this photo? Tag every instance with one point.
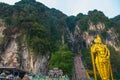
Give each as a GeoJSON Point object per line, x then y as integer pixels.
{"type": "Point", "coordinates": [100, 52]}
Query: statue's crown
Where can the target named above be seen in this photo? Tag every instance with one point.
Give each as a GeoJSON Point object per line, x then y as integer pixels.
{"type": "Point", "coordinates": [97, 39]}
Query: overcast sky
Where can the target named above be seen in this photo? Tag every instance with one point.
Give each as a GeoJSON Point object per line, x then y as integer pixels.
{"type": "Point", "coordinates": [110, 8]}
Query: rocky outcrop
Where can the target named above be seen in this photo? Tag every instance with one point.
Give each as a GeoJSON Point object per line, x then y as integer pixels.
{"type": "Point", "coordinates": [98, 27]}
{"type": "Point", "coordinates": [24, 58]}
{"type": "Point", "coordinates": [112, 39]}
{"type": "Point", "coordinates": [79, 39]}
{"type": "Point", "coordinates": [2, 27]}
{"type": "Point", "coordinates": [9, 56]}
{"type": "Point", "coordinates": [75, 40]}
{"type": "Point", "coordinates": [17, 54]}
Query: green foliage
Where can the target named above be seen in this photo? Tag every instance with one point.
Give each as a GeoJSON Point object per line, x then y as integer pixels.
{"type": "Point", "coordinates": [104, 34]}
{"type": "Point", "coordinates": [116, 76]}
{"type": "Point", "coordinates": [4, 8]}
{"type": "Point", "coordinates": [63, 59]}
{"type": "Point", "coordinates": [116, 24]}
{"type": "Point", "coordinates": [42, 26]}
{"type": "Point", "coordinates": [97, 16]}
{"type": "Point", "coordinates": [80, 16]}
{"type": "Point", "coordinates": [11, 21]}
{"type": "Point", "coordinates": [116, 19]}
{"type": "Point", "coordinates": [108, 24]}
{"type": "Point", "coordinates": [115, 60]}
{"type": "Point", "coordinates": [71, 23]}
{"type": "Point", "coordinates": [80, 19]}
{"type": "Point", "coordinates": [86, 57]}
{"type": "Point", "coordinates": [83, 23]}
{"type": "Point", "coordinates": [28, 0]}
{"type": "Point", "coordinates": [38, 39]}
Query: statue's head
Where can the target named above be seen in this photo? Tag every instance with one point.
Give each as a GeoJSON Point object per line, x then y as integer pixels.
{"type": "Point", "coordinates": [97, 39]}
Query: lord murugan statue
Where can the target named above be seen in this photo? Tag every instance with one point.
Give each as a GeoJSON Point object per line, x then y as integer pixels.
{"type": "Point", "coordinates": [100, 55]}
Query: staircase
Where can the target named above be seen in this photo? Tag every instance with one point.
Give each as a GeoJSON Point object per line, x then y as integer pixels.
{"type": "Point", "coordinates": [80, 72]}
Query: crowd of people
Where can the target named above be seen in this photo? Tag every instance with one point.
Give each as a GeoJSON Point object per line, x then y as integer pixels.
{"type": "Point", "coordinates": [52, 74]}
{"type": "Point", "coordinates": [7, 76]}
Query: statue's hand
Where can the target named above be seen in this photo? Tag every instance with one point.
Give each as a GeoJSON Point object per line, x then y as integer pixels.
{"type": "Point", "coordinates": [108, 57]}
{"type": "Point", "coordinates": [105, 59]}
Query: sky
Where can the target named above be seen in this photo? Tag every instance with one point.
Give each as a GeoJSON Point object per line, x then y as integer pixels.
{"type": "Point", "coordinates": [110, 8]}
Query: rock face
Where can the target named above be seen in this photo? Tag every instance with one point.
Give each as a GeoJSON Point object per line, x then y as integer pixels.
{"type": "Point", "coordinates": [24, 59]}
{"type": "Point", "coordinates": [10, 55]}
{"type": "Point", "coordinates": [79, 39]}
{"type": "Point", "coordinates": [21, 56]}
{"type": "Point", "coordinates": [75, 40]}
{"type": "Point", "coordinates": [88, 36]}
{"type": "Point", "coordinates": [99, 26]}
{"type": "Point", "coordinates": [2, 27]}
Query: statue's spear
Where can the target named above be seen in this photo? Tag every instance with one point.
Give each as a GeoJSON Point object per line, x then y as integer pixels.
{"type": "Point", "coordinates": [111, 71]}
{"type": "Point", "coordinates": [93, 62]}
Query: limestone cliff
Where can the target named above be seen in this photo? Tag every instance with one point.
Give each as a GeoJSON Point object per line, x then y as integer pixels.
{"type": "Point", "coordinates": [21, 56]}
{"type": "Point", "coordinates": [44, 28]}
{"type": "Point", "coordinates": [79, 39]}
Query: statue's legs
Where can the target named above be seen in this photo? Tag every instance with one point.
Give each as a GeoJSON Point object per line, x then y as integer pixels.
{"type": "Point", "coordinates": [106, 74]}
{"type": "Point", "coordinates": [103, 69]}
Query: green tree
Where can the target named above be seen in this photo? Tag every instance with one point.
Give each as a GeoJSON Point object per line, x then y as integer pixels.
{"type": "Point", "coordinates": [38, 39]}
{"type": "Point", "coordinates": [63, 59]}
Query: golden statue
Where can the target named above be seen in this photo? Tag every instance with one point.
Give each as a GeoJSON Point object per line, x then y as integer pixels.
{"type": "Point", "coordinates": [101, 59]}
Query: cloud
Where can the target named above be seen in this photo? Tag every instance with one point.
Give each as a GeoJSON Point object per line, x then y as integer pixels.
{"type": "Point", "coordinates": [49, 3]}
{"type": "Point", "coordinates": [111, 8]}
{"type": "Point", "coordinates": [9, 1]}
{"type": "Point", "coordinates": [73, 7]}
